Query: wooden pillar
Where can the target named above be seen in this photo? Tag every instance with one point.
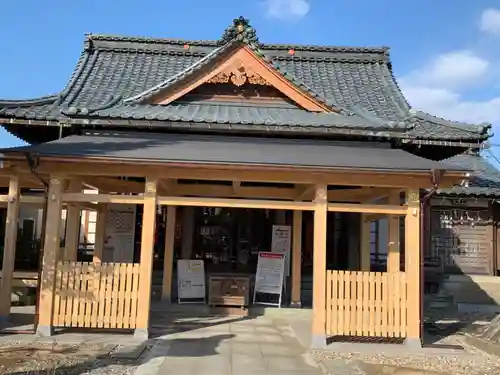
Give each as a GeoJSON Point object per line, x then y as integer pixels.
{"type": "Point", "coordinates": [168, 260]}
{"type": "Point", "coordinates": [393, 255]}
{"type": "Point", "coordinates": [296, 258]}
{"type": "Point", "coordinates": [412, 268]}
{"type": "Point", "coordinates": [50, 257]}
{"type": "Point", "coordinates": [73, 224]}
{"type": "Point", "coordinates": [146, 260]}
{"type": "Point", "coordinates": [9, 250]}
{"type": "Point", "coordinates": [100, 232]}
{"type": "Point", "coordinates": [187, 232]}
{"type": "Point", "coordinates": [319, 268]}
{"type": "Point", "coordinates": [365, 243]}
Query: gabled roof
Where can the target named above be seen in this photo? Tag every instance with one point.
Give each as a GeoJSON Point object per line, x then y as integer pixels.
{"type": "Point", "coordinates": [114, 74]}
{"type": "Point", "coordinates": [484, 178]}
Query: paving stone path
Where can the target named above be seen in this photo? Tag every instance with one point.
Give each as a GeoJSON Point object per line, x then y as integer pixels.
{"type": "Point", "coordinates": [227, 346]}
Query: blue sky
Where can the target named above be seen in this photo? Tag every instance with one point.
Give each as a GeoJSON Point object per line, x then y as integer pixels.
{"type": "Point", "coordinates": [445, 53]}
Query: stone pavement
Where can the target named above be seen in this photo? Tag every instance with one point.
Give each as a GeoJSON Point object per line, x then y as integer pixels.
{"type": "Point", "coordinates": [227, 346]}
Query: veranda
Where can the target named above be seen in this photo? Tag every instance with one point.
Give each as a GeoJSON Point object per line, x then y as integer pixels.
{"type": "Point", "coordinates": [113, 295]}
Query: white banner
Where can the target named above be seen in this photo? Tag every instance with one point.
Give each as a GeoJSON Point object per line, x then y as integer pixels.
{"type": "Point", "coordinates": [190, 279]}
{"type": "Point", "coordinates": [120, 232]}
{"type": "Point", "coordinates": [281, 243]}
{"type": "Point", "coordinates": [269, 276]}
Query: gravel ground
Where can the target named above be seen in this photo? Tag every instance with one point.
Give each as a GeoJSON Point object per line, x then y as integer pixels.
{"type": "Point", "coordinates": [449, 365]}
{"type": "Point", "coordinates": [55, 359]}
{"type": "Point", "coordinates": [471, 362]}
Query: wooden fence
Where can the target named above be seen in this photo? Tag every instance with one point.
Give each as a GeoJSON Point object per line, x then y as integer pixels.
{"type": "Point", "coordinates": [96, 295]}
{"type": "Point", "coordinates": [368, 304]}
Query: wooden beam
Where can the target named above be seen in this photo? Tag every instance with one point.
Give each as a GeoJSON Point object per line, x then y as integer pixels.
{"type": "Point", "coordinates": [236, 186]}
{"type": "Point", "coordinates": [222, 191]}
{"type": "Point", "coordinates": [9, 250]}
{"type": "Point", "coordinates": [73, 223]}
{"type": "Point", "coordinates": [168, 186]}
{"type": "Point", "coordinates": [168, 260]}
{"type": "Point", "coordinates": [393, 256]}
{"type": "Point", "coordinates": [306, 192]}
{"type": "Point", "coordinates": [102, 198]}
{"type": "Point", "coordinates": [367, 208]}
{"type": "Point", "coordinates": [146, 260]}
{"type": "Point", "coordinates": [187, 231]}
{"type": "Point", "coordinates": [235, 203]}
{"type": "Point", "coordinates": [375, 217]}
{"type": "Point", "coordinates": [319, 268]}
{"type": "Point", "coordinates": [296, 258]}
{"type": "Point", "coordinates": [351, 177]}
{"type": "Point", "coordinates": [116, 185]}
{"type": "Point", "coordinates": [413, 267]}
{"type": "Point", "coordinates": [100, 232]}
{"type": "Point", "coordinates": [24, 279]}
{"type": "Point", "coordinates": [50, 254]}
{"type": "Point", "coordinates": [365, 243]}
{"type": "Point", "coordinates": [25, 199]}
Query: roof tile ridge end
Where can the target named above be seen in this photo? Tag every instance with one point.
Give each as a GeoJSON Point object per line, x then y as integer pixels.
{"type": "Point", "coordinates": [443, 121]}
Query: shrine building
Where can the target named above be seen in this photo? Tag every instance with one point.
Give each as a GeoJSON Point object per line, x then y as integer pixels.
{"type": "Point", "coordinates": [197, 149]}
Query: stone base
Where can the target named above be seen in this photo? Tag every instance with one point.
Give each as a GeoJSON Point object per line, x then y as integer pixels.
{"type": "Point", "coordinates": [413, 343]}
{"type": "Point", "coordinates": [296, 305]}
{"type": "Point", "coordinates": [318, 342]}
{"type": "Point", "coordinates": [141, 334]}
{"type": "Point", "coordinates": [166, 301]}
{"type": "Point", "coordinates": [44, 331]}
{"type": "Point", "coordinates": [4, 321]}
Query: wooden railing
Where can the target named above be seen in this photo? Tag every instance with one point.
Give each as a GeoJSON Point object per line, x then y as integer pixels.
{"type": "Point", "coordinates": [96, 295]}
{"type": "Point", "coordinates": [368, 304]}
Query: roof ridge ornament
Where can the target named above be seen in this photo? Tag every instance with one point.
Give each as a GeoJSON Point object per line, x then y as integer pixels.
{"type": "Point", "coordinates": [240, 30]}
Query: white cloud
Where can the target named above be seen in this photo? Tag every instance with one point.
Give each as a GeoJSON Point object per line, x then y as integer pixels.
{"type": "Point", "coordinates": [287, 9]}
{"type": "Point", "coordinates": [452, 105]}
{"type": "Point", "coordinates": [490, 21]}
{"type": "Point", "coordinates": [451, 70]}
{"type": "Point", "coordinates": [439, 87]}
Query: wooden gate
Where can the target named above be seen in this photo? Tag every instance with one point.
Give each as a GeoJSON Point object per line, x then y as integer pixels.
{"type": "Point", "coordinates": [96, 295]}
{"type": "Point", "coordinates": [368, 304]}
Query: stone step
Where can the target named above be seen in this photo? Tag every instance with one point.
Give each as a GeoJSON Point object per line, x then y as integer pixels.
{"type": "Point", "coordinates": [440, 301]}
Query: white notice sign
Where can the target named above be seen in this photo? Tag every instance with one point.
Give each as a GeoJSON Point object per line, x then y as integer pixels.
{"type": "Point", "coordinates": [281, 243]}
{"type": "Point", "coordinates": [190, 280]}
{"type": "Point", "coordinates": [120, 231]}
{"type": "Point", "coordinates": [269, 276]}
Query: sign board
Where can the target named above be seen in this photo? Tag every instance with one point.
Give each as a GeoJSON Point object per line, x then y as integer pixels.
{"type": "Point", "coordinates": [281, 243]}
{"type": "Point", "coordinates": [120, 232]}
{"type": "Point", "coordinates": [269, 277]}
{"type": "Point", "coordinates": [191, 280]}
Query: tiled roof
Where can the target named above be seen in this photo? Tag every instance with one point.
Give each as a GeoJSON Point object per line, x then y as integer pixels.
{"type": "Point", "coordinates": [484, 179]}
{"type": "Point", "coordinates": [216, 149]}
{"type": "Point", "coordinates": [357, 80]}
{"type": "Point", "coordinates": [235, 114]}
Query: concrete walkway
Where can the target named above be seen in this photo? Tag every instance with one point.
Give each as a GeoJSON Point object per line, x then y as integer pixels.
{"type": "Point", "coordinates": [227, 346]}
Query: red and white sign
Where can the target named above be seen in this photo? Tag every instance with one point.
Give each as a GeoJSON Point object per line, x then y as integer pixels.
{"type": "Point", "coordinates": [269, 276]}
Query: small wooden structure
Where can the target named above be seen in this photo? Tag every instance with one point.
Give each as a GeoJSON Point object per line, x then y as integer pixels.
{"type": "Point", "coordinates": [229, 290]}
{"type": "Point", "coordinates": [232, 129]}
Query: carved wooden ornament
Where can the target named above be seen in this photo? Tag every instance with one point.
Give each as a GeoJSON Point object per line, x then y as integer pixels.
{"type": "Point", "coordinates": [238, 75]}
{"type": "Point", "coordinates": [238, 67]}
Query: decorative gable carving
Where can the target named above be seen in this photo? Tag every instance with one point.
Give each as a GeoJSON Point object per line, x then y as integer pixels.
{"type": "Point", "coordinates": [238, 75]}
{"type": "Point", "coordinates": [238, 61]}
{"type": "Point", "coordinates": [239, 66]}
